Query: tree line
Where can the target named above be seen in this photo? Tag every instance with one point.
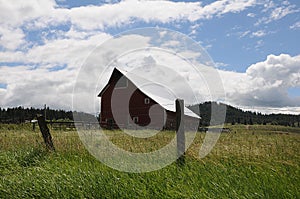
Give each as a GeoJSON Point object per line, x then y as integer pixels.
{"type": "Point", "coordinates": [233, 115]}
{"type": "Point", "coordinates": [21, 115]}
{"type": "Point", "coordinates": [238, 116]}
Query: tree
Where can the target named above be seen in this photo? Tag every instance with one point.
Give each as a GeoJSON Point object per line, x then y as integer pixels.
{"type": "Point", "coordinates": [251, 122]}
{"type": "Point", "coordinates": [233, 122]}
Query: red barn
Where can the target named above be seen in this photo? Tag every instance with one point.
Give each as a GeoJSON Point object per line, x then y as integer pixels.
{"type": "Point", "coordinates": [125, 104]}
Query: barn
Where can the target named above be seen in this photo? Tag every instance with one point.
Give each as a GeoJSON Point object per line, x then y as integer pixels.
{"type": "Point", "coordinates": [125, 103]}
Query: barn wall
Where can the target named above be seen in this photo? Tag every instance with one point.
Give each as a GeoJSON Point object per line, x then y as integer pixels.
{"type": "Point", "coordinates": [129, 105]}
{"type": "Point", "coordinates": [131, 111]}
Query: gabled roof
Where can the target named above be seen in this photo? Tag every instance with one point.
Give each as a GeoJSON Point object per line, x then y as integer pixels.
{"type": "Point", "coordinates": [138, 81]}
{"type": "Point", "coordinates": [114, 73]}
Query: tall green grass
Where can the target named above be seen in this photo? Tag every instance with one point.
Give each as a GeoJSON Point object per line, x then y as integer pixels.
{"type": "Point", "coordinates": [249, 162]}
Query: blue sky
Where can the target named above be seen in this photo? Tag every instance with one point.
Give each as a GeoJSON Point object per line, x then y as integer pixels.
{"type": "Point", "coordinates": [254, 43]}
{"type": "Point", "coordinates": [223, 36]}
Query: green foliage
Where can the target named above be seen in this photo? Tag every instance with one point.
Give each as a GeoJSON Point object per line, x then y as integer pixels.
{"type": "Point", "coordinates": [250, 162]}
{"type": "Point", "coordinates": [20, 114]}
{"type": "Point", "coordinates": [235, 115]}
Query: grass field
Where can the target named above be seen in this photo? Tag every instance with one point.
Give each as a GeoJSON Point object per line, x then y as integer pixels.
{"type": "Point", "coordinates": [249, 162]}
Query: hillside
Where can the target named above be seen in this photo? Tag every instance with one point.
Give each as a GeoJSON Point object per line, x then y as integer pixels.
{"type": "Point", "coordinates": [238, 116]}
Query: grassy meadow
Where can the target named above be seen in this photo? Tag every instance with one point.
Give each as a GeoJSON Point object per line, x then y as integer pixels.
{"type": "Point", "coordinates": [257, 161]}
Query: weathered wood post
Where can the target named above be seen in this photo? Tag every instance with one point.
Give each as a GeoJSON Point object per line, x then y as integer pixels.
{"type": "Point", "coordinates": [45, 132]}
{"type": "Point", "coordinates": [180, 131]}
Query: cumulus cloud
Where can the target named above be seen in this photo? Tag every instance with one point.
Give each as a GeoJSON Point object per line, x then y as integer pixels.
{"type": "Point", "coordinates": [11, 38]}
{"type": "Point", "coordinates": [70, 51]}
{"type": "Point", "coordinates": [282, 68]}
{"type": "Point", "coordinates": [266, 83]}
{"type": "Point", "coordinates": [27, 87]}
{"type": "Point", "coordinates": [16, 12]}
{"type": "Point", "coordinates": [65, 51]}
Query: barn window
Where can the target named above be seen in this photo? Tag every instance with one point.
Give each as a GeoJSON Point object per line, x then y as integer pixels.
{"type": "Point", "coordinates": [147, 100]}
{"type": "Point", "coordinates": [135, 119]}
{"type": "Point", "coordinates": [122, 82]}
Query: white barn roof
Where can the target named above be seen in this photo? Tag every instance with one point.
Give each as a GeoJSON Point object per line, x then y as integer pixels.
{"type": "Point", "coordinates": [167, 104]}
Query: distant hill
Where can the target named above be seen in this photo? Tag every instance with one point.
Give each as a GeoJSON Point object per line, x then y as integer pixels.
{"type": "Point", "coordinates": [238, 116]}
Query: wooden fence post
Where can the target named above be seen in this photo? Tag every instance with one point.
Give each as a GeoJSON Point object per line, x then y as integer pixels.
{"type": "Point", "coordinates": [180, 131]}
{"type": "Point", "coordinates": [45, 132]}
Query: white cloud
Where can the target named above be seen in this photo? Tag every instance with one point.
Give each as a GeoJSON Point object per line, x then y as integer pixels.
{"type": "Point", "coordinates": [268, 5]}
{"type": "Point", "coordinates": [98, 17]}
{"type": "Point", "coordinates": [11, 38]}
{"type": "Point", "coordinates": [18, 16]}
{"type": "Point", "coordinates": [12, 56]}
{"type": "Point", "coordinates": [65, 51]}
{"type": "Point", "coordinates": [165, 11]}
{"type": "Point", "coordinates": [27, 87]}
{"type": "Point", "coordinates": [259, 44]}
{"type": "Point", "coordinates": [277, 12]}
{"type": "Point", "coordinates": [194, 29]}
{"type": "Point", "coordinates": [244, 34]}
{"type": "Point", "coordinates": [281, 12]}
{"type": "Point", "coordinates": [270, 110]}
{"type": "Point", "coordinates": [240, 34]}
{"type": "Point", "coordinates": [71, 51]}
{"type": "Point", "coordinates": [251, 15]}
{"type": "Point", "coordinates": [265, 83]}
{"type": "Point", "coordinates": [295, 26]}
{"type": "Point", "coordinates": [259, 33]}
{"type": "Point", "coordinates": [126, 12]}
{"type": "Point", "coordinates": [16, 12]}
{"type": "Point", "coordinates": [282, 68]}
{"type": "Point", "coordinates": [220, 64]}
{"type": "Point", "coordinates": [225, 6]}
